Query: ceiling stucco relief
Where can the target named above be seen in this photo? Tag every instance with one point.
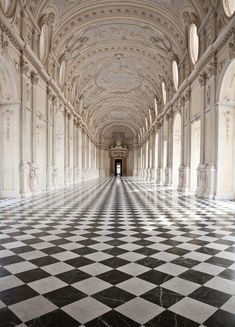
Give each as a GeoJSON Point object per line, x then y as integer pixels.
{"type": "Point", "coordinates": [65, 6]}
{"type": "Point", "coordinates": [116, 33]}
{"type": "Point", "coordinates": [120, 52]}
{"type": "Point", "coordinates": [118, 75]}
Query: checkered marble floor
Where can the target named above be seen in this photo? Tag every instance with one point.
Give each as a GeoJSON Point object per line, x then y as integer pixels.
{"type": "Point", "coordinates": [117, 253]}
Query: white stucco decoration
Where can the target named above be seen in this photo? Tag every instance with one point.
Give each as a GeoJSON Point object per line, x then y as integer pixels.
{"type": "Point", "coordinates": [119, 75]}
{"type": "Point", "coordinates": [229, 7]}
{"type": "Point", "coordinates": [175, 73]}
{"type": "Point", "coordinates": [193, 43]}
{"type": "Point", "coordinates": [44, 44]}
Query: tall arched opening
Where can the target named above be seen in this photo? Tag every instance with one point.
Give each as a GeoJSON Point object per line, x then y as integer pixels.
{"type": "Point", "coordinates": [176, 160]}
{"type": "Point", "coordinates": [226, 136]}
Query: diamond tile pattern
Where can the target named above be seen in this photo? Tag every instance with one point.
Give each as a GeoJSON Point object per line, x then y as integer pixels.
{"type": "Point", "coordinates": [117, 252]}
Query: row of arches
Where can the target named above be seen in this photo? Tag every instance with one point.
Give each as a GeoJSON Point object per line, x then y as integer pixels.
{"type": "Point", "coordinates": [170, 162]}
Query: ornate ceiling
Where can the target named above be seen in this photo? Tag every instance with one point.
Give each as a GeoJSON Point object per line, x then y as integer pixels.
{"type": "Point", "coordinates": [119, 52]}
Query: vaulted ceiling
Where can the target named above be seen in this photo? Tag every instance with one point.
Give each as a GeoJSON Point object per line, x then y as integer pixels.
{"type": "Point", "coordinates": [119, 52]}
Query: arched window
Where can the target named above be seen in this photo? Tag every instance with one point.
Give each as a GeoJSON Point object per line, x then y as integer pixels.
{"type": "Point", "coordinates": [9, 7]}
{"type": "Point", "coordinates": [150, 117]}
{"type": "Point", "coordinates": [175, 73]}
{"type": "Point", "coordinates": [44, 44]}
{"type": "Point", "coordinates": [155, 107]}
{"type": "Point", "coordinates": [62, 73]}
{"type": "Point", "coordinates": [164, 93]}
{"type": "Point", "coordinates": [229, 7]}
{"type": "Point", "coordinates": [193, 43]}
{"type": "Point", "coordinates": [146, 123]}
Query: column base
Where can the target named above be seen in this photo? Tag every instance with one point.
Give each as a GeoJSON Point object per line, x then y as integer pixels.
{"type": "Point", "coordinates": [25, 187]}
{"type": "Point", "coordinates": [159, 176]}
{"type": "Point", "coordinates": [201, 180]}
{"type": "Point", "coordinates": [210, 182]}
{"type": "Point", "coordinates": [167, 177]}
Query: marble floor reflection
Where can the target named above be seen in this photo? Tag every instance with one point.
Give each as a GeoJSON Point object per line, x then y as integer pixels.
{"type": "Point", "coordinates": [117, 253]}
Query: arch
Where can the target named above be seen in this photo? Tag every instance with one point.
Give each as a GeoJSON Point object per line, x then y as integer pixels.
{"type": "Point", "coordinates": [226, 135]}
{"type": "Point", "coordinates": [176, 154]}
{"type": "Point", "coordinates": [108, 125]}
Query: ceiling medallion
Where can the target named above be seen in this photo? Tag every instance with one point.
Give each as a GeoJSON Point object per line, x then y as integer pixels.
{"type": "Point", "coordinates": [119, 75]}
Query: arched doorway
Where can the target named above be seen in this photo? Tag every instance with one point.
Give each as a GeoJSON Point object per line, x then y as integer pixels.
{"type": "Point", "coordinates": [226, 136]}
{"type": "Point", "coordinates": [176, 160]}
{"type": "Point", "coordinates": [9, 129]}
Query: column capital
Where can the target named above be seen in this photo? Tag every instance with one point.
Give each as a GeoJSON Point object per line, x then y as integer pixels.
{"type": "Point", "coordinates": [24, 65]}
{"type": "Point", "coordinates": [34, 78]}
{"type": "Point", "coordinates": [202, 79]}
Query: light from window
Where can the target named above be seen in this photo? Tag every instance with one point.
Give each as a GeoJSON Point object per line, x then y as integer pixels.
{"type": "Point", "coordinates": [175, 72]}
{"type": "Point", "coordinates": [193, 43]}
{"type": "Point", "coordinates": [229, 7]}
{"type": "Point", "coordinates": [164, 93]}
{"type": "Point", "coordinates": [44, 44]}
{"type": "Point", "coordinates": [62, 73]}
{"type": "Point", "coordinates": [155, 107]}
{"type": "Point", "coordinates": [8, 7]}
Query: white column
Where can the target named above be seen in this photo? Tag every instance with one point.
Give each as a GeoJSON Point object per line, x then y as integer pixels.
{"type": "Point", "coordinates": [34, 168]}
{"type": "Point", "coordinates": [49, 140]}
{"type": "Point", "coordinates": [25, 187]}
{"type": "Point", "coordinates": [153, 163]}
{"type": "Point", "coordinates": [66, 146]}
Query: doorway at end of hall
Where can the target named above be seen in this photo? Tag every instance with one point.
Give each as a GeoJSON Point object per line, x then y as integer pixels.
{"type": "Point", "coordinates": [118, 167]}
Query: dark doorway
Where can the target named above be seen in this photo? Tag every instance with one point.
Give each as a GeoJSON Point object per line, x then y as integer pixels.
{"type": "Point", "coordinates": [118, 167]}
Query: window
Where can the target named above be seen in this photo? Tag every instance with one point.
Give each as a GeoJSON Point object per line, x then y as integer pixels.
{"type": "Point", "coordinates": [193, 43]}
{"type": "Point", "coordinates": [62, 73]}
{"type": "Point", "coordinates": [164, 93]}
{"type": "Point", "coordinates": [175, 73]}
{"type": "Point", "coordinates": [229, 7]}
{"type": "Point", "coordinates": [44, 44]}
{"type": "Point", "coordinates": [8, 7]}
{"type": "Point", "coordinates": [155, 107]}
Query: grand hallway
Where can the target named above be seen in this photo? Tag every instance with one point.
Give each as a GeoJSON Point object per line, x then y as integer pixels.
{"type": "Point", "coordinates": [117, 252]}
